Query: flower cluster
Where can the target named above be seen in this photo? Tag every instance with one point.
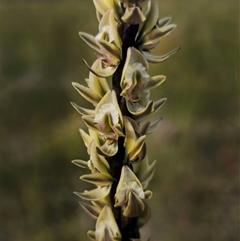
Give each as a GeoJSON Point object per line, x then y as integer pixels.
{"type": "Point", "coordinates": [119, 122]}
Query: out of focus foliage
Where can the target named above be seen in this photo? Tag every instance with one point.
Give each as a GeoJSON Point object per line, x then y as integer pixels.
{"type": "Point", "coordinates": [196, 185]}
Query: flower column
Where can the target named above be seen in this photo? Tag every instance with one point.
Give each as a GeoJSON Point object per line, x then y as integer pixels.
{"type": "Point", "coordinates": [118, 123]}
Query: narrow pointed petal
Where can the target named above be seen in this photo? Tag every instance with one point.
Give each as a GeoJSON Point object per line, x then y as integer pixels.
{"type": "Point", "coordinates": [153, 126]}
{"type": "Point", "coordinates": [106, 226]}
{"type": "Point", "coordinates": [130, 136]}
{"type": "Point", "coordinates": [137, 148]}
{"type": "Point", "coordinates": [95, 194]}
{"type": "Point", "coordinates": [80, 163]}
{"type": "Point", "coordinates": [159, 103]}
{"type": "Point", "coordinates": [151, 20]}
{"type": "Point", "coordinates": [90, 123]}
{"type": "Point", "coordinates": [86, 93]}
{"type": "Point", "coordinates": [110, 48]}
{"type": "Point", "coordinates": [90, 209]}
{"type": "Point", "coordinates": [87, 139]}
{"type": "Point", "coordinates": [91, 235]}
{"type": "Point", "coordinates": [145, 127]}
{"type": "Point", "coordinates": [108, 150]}
{"type": "Point", "coordinates": [145, 172]}
{"type": "Point", "coordinates": [135, 205]}
{"type": "Point", "coordinates": [155, 81]}
{"type": "Point", "coordinates": [148, 194]}
{"type": "Point", "coordinates": [81, 110]}
{"type": "Point", "coordinates": [133, 16]}
{"type": "Point", "coordinates": [137, 109]}
{"type": "Point", "coordinates": [164, 21]}
{"type": "Point", "coordinates": [98, 85]}
{"type": "Point", "coordinates": [160, 58]}
{"type": "Point", "coordinates": [99, 162]}
{"type": "Point", "coordinates": [97, 179]}
{"type": "Point", "coordinates": [144, 217]}
{"type": "Point", "coordinates": [105, 72]}
{"type": "Point", "coordinates": [155, 35]}
{"type": "Point", "coordinates": [90, 40]}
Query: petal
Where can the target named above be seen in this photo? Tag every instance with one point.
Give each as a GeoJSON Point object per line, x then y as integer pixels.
{"type": "Point", "coordinates": [133, 16]}
{"type": "Point", "coordinates": [152, 18]}
{"type": "Point", "coordinates": [91, 235]}
{"type": "Point", "coordinates": [90, 40]}
{"type": "Point", "coordinates": [81, 110]}
{"type": "Point", "coordinates": [86, 93]}
{"type": "Point", "coordinates": [110, 49]}
{"type": "Point", "coordinates": [108, 150]}
{"type": "Point", "coordinates": [137, 148]}
{"type": "Point", "coordinates": [153, 126]}
{"type": "Point", "coordinates": [106, 72]}
{"type": "Point", "coordinates": [99, 162]}
{"type": "Point", "coordinates": [89, 121]}
{"type": "Point", "coordinates": [135, 206]}
{"type": "Point", "coordinates": [155, 81]}
{"type": "Point", "coordinates": [156, 34]}
{"type": "Point", "coordinates": [164, 21]}
{"type": "Point", "coordinates": [98, 85]}
{"type": "Point", "coordinates": [80, 163]}
{"type": "Point", "coordinates": [138, 110]}
{"type": "Point", "coordinates": [160, 58]}
{"type": "Point", "coordinates": [144, 217]}
{"type": "Point", "coordinates": [98, 179]}
{"type": "Point", "coordinates": [90, 209]}
{"type": "Point", "coordinates": [95, 194]}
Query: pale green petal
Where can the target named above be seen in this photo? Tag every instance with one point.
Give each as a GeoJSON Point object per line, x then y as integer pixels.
{"type": "Point", "coordinates": [145, 127]}
{"type": "Point", "coordinates": [153, 126]}
{"type": "Point", "coordinates": [87, 139]}
{"type": "Point", "coordinates": [155, 81]}
{"type": "Point", "coordinates": [130, 136]}
{"type": "Point", "coordinates": [90, 209]}
{"type": "Point", "coordinates": [90, 40]}
{"type": "Point", "coordinates": [95, 194]}
{"type": "Point", "coordinates": [106, 225]}
{"type": "Point", "coordinates": [80, 163]}
{"type": "Point", "coordinates": [91, 235]}
{"type": "Point", "coordinates": [103, 72]}
{"type": "Point", "coordinates": [133, 16]}
{"type": "Point", "coordinates": [89, 121]}
{"type": "Point", "coordinates": [158, 104]}
{"type": "Point", "coordinates": [81, 110]}
{"type": "Point", "coordinates": [164, 21]}
{"type": "Point", "coordinates": [108, 150]}
{"type": "Point", "coordinates": [160, 58]}
{"type": "Point", "coordinates": [97, 179]}
{"type": "Point", "coordinates": [138, 110]}
{"type": "Point", "coordinates": [145, 171]}
{"type": "Point", "coordinates": [148, 194]}
{"type": "Point", "coordinates": [113, 25]}
{"type": "Point", "coordinates": [156, 34]}
{"type": "Point", "coordinates": [144, 217]}
{"type": "Point", "coordinates": [152, 18]}
{"type": "Point", "coordinates": [137, 148]}
{"type": "Point", "coordinates": [134, 207]}
{"type": "Point", "coordinates": [110, 49]}
{"type": "Point", "coordinates": [86, 93]}
{"type": "Point", "coordinates": [99, 162]}
{"type": "Point", "coordinates": [98, 85]}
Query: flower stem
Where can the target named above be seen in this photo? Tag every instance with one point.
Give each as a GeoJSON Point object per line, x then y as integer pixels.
{"type": "Point", "coordinates": [128, 35]}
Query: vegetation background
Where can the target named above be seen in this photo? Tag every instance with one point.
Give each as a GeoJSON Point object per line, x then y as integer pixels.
{"type": "Point", "coordinates": [196, 182]}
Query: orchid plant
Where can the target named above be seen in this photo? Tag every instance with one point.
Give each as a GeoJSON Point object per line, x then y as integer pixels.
{"type": "Point", "coordinates": [118, 123]}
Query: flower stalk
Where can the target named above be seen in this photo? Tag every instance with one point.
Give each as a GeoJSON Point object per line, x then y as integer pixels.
{"type": "Point", "coordinates": [119, 122]}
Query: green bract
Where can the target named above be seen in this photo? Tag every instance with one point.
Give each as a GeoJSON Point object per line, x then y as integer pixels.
{"type": "Point", "coordinates": [118, 122]}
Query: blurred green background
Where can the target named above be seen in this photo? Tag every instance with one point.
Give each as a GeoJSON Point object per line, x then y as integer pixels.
{"type": "Point", "coordinates": [196, 182]}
